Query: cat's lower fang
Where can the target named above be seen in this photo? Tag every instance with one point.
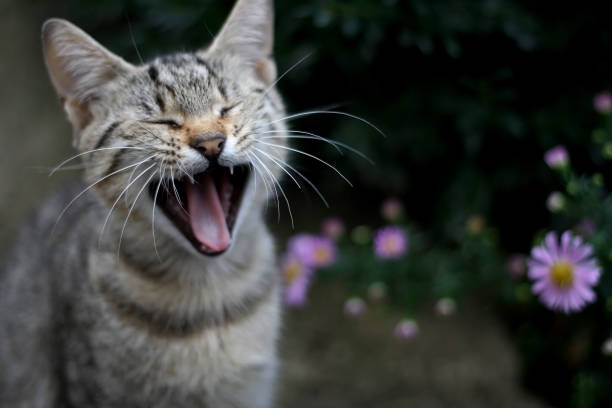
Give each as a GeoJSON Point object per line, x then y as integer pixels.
{"type": "Point", "coordinates": [225, 194]}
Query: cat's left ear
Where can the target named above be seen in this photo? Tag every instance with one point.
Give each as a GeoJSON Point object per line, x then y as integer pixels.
{"type": "Point", "coordinates": [79, 67]}
{"type": "Point", "coordinates": [248, 33]}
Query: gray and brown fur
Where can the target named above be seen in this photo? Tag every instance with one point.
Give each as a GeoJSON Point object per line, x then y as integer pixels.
{"type": "Point", "coordinates": [114, 318]}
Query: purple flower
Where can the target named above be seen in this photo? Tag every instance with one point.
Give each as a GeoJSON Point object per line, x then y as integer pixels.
{"type": "Point", "coordinates": [606, 347]}
{"type": "Point", "coordinates": [564, 274]}
{"type": "Point", "coordinates": [602, 102]}
{"type": "Point", "coordinates": [557, 157]}
{"type": "Point", "coordinates": [515, 265]}
{"type": "Point", "coordinates": [332, 227]}
{"type": "Point", "coordinates": [297, 277]}
{"type": "Point", "coordinates": [354, 307]}
{"type": "Point", "coordinates": [446, 307]}
{"type": "Point", "coordinates": [312, 250]}
{"type": "Point", "coordinates": [390, 242]}
{"type": "Point", "coordinates": [406, 329]}
{"type": "Point", "coordinates": [392, 209]}
{"type": "Point", "coordinates": [555, 202]}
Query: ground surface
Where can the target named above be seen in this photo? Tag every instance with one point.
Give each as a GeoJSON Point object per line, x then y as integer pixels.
{"type": "Point", "coordinates": [329, 360]}
{"type": "Point", "coordinates": [333, 361]}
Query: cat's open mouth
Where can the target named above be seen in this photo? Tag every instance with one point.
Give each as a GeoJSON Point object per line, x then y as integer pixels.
{"type": "Point", "coordinates": [205, 210]}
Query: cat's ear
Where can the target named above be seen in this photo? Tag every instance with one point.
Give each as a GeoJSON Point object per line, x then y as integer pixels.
{"type": "Point", "coordinates": [78, 66]}
{"type": "Point", "coordinates": [248, 33]}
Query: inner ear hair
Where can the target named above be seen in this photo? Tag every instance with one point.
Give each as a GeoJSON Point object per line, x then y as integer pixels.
{"type": "Point", "coordinates": [266, 70]}
{"type": "Point", "coordinates": [78, 113]}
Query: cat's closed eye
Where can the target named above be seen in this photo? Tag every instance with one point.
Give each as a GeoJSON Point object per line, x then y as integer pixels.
{"type": "Point", "coordinates": [225, 110]}
{"type": "Point", "coordinates": [167, 122]}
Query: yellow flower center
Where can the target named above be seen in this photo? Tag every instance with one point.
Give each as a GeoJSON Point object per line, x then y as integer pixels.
{"type": "Point", "coordinates": [562, 274]}
{"type": "Point", "coordinates": [321, 255]}
{"type": "Point", "coordinates": [292, 271]}
{"type": "Point", "coordinates": [391, 246]}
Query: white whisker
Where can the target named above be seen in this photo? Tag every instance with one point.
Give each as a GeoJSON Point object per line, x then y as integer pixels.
{"type": "Point", "coordinates": [146, 183]}
{"type": "Point", "coordinates": [309, 155]}
{"type": "Point", "coordinates": [56, 168]}
{"type": "Point", "coordinates": [279, 165]}
{"type": "Point", "coordinates": [310, 183]}
{"type": "Point", "coordinates": [186, 173]}
{"type": "Point", "coordinates": [275, 181]}
{"type": "Point", "coordinates": [124, 191]}
{"type": "Point", "coordinates": [308, 135]}
{"type": "Point", "coordinates": [161, 177]}
{"type": "Point", "coordinates": [260, 172]}
{"type": "Point", "coordinates": [304, 58]}
{"type": "Point", "coordinates": [289, 135]}
{"type": "Point", "coordinates": [176, 193]}
{"type": "Point", "coordinates": [129, 180]}
{"type": "Point", "coordinates": [134, 40]}
{"type": "Point", "coordinates": [71, 167]}
{"type": "Point", "coordinates": [92, 185]}
{"type": "Point", "coordinates": [317, 112]}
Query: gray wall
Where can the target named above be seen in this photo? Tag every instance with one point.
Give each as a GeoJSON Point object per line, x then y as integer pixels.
{"type": "Point", "coordinates": [33, 132]}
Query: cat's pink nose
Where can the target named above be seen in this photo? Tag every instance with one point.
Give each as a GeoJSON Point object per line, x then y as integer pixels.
{"type": "Point", "coordinates": [210, 145]}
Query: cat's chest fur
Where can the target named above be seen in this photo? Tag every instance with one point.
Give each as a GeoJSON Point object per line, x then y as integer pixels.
{"type": "Point", "coordinates": [207, 342]}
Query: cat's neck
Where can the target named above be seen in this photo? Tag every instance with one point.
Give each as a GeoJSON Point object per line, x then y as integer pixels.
{"type": "Point", "coordinates": [166, 258]}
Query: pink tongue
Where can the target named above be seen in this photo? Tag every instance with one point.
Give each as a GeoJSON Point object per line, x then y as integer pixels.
{"type": "Point", "coordinates": [206, 214]}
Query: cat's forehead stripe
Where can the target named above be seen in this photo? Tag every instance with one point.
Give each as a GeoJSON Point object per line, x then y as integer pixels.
{"type": "Point", "coordinates": [147, 108]}
{"type": "Point", "coordinates": [153, 73]}
{"type": "Point", "coordinates": [208, 67]}
{"type": "Point", "coordinates": [160, 103]}
{"type": "Point", "coordinates": [177, 73]}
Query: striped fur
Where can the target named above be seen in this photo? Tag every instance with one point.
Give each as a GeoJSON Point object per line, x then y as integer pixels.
{"type": "Point", "coordinates": [109, 305]}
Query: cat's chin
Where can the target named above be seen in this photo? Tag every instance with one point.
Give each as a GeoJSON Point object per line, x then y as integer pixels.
{"type": "Point", "coordinates": [204, 208]}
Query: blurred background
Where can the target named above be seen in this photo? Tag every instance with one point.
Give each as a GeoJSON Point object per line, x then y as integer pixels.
{"type": "Point", "coordinates": [470, 95]}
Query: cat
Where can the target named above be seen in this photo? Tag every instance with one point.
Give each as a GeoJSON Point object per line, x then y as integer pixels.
{"type": "Point", "coordinates": [154, 284]}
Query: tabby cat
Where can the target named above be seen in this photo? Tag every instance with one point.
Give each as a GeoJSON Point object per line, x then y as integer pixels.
{"type": "Point", "coordinates": [154, 284]}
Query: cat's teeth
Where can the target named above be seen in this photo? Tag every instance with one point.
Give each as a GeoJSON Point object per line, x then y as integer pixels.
{"type": "Point", "coordinates": [227, 200]}
{"type": "Point", "coordinates": [232, 170]}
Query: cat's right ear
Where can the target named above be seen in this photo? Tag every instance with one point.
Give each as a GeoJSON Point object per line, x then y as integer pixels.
{"type": "Point", "coordinates": [78, 66]}
{"type": "Point", "coordinates": [248, 33]}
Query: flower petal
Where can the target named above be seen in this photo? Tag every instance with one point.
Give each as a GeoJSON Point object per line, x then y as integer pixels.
{"type": "Point", "coordinates": [540, 254]}
{"type": "Point", "coordinates": [538, 271]}
{"type": "Point", "coordinates": [540, 285]}
{"type": "Point", "coordinates": [576, 243]}
{"type": "Point", "coordinates": [581, 253]}
{"type": "Point", "coordinates": [585, 293]}
{"type": "Point", "coordinates": [551, 243]}
{"type": "Point", "coordinates": [588, 274]}
{"type": "Point", "coordinates": [565, 241]}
